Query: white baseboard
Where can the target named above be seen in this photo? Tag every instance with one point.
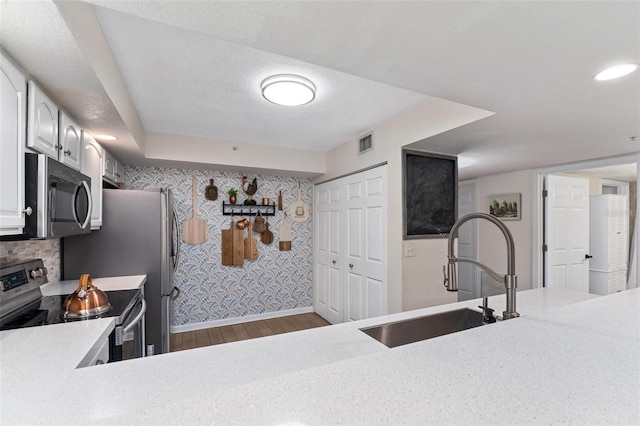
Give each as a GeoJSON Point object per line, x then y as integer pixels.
{"type": "Point", "coordinates": [237, 320]}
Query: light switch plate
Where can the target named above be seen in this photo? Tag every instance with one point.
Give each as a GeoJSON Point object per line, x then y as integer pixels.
{"type": "Point", "coordinates": [409, 250]}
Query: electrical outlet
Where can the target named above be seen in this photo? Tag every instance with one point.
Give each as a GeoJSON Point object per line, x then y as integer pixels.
{"type": "Point", "coordinates": [409, 250]}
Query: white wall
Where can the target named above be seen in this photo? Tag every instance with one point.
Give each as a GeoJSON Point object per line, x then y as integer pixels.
{"type": "Point", "coordinates": [184, 151]}
{"type": "Point", "coordinates": [426, 119]}
{"type": "Point", "coordinates": [422, 275]}
{"type": "Point", "coordinates": [492, 249]}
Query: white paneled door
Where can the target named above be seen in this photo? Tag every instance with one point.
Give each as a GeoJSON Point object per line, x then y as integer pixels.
{"type": "Point", "coordinates": [351, 246]}
{"type": "Point", "coordinates": [328, 296]}
{"type": "Point", "coordinates": [468, 274]}
{"type": "Point", "coordinates": [567, 233]}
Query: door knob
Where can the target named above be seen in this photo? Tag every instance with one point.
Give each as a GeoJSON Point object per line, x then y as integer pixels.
{"type": "Point", "coordinates": [586, 256]}
{"type": "Point", "coordinates": [28, 211]}
{"type": "Point", "coordinates": [351, 266]}
{"type": "Point", "coordinates": [333, 261]}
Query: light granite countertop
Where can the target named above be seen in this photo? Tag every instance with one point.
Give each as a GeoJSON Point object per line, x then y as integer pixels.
{"type": "Point", "coordinates": [570, 358]}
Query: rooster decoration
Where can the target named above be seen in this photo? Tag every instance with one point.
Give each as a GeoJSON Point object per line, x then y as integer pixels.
{"type": "Point", "coordinates": [250, 189]}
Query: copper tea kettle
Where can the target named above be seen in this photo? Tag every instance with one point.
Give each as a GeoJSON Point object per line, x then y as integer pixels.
{"type": "Point", "coordinates": [86, 301]}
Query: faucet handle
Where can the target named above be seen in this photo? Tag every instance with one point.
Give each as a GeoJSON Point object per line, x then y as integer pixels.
{"type": "Point", "coordinates": [444, 273]}
{"type": "Point", "coordinates": [487, 313]}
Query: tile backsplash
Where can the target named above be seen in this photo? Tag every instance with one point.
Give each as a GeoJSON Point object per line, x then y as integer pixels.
{"type": "Point", "coordinates": [47, 250]}
{"type": "Point", "coordinates": [276, 281]}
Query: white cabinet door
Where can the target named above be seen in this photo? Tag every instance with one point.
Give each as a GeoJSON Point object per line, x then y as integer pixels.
{"type": "Point", "coordinates": [351, 247]}
{"type": "Point", "coordinates": [13, 114]}
{"type": "Point", "coordinates": [110, 171]}
{"type": "Point", "coordinates": [70, 138]}
{"type": "Point", "coordinates": [42, 131]}
{"type": "Point", "coordinates": [92, 163]}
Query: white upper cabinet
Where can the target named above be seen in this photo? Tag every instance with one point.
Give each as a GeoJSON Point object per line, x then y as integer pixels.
{"type": "Point", "coordinates": [92, 166]}
{"type": "Point", "coordinates": [42, 130]}
{"type": "Point", "coordinates": [70, 140]}
{"type": "Point", "coordinates": [13, 114]}
{"type": "Point", "coordinates": [113, 170]}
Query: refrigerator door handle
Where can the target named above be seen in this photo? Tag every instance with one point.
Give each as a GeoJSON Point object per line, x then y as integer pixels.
{"type": "Point", "coordinates": [175, 293]}
{"type": "Point", "coordinates": [176, 226]}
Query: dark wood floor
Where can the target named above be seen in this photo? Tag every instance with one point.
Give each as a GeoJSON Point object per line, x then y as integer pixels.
{"type": "Point", "coordinates": [244, 331]}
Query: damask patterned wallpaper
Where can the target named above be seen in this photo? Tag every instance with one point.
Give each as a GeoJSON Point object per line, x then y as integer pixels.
{"type": "Point", "coordinates": [276, 281]}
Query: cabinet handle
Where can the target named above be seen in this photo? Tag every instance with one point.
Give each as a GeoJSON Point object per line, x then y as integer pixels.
{"type": "Point", "coordinates": [59, 147]}
{"type": "Point", "coordinates": [28, 211]}
{"type": "Point", "coordinates": [351, 266]}
{"type": "Point", "coordinates": [99, 362]}
{"type": "Point", "coordinates": [68, 152]}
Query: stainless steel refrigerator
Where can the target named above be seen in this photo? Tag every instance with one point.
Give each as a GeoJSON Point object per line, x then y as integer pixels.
{"type": "Point", "coordinates": [139, 235]}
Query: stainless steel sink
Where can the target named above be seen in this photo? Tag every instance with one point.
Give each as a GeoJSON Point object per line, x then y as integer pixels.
{"type": "Point", "coordinates": [416, 329]}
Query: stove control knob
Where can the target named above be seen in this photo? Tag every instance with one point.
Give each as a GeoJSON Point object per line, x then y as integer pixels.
{"type": "Point", "coordinates": [37, 273]}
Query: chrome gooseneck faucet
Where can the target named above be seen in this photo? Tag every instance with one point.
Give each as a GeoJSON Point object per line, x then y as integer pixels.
{"type": "Point", "coordinates": [510, 280]}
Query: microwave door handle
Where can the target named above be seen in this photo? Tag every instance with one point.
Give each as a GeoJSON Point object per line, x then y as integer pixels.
{"type": "Point", "coordinates": [137, 318]}
{"type": "Point", "coordinates": [90, 209]}
{"type": "Point", "coordinates": [177, 248]}
{"type": "Point", "coordinates": [52, 202]}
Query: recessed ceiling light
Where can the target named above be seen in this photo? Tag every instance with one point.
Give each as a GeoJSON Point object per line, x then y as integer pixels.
{"type": "Point", "coordinates": [106, 137]}
{"type": "Point", "coordinates": [288, 90]}
{"type": "Point", "coordinates": [615, 72]}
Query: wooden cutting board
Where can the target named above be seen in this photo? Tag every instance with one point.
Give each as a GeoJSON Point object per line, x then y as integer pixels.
{"type": "Point", "coordinates": [194, 230]}
{"type": "Point", "coordinates": [232, 246]}
{"type": "Point", "coordinates": [238, 247]}
{"type": "Point", "coordinates": [250, 246]}
{"type": "Point", "coordinates": [284, 234]}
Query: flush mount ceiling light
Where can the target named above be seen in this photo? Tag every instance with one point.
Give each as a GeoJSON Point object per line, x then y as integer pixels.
{"type": "Point", "coordinates": [288, 90]}
{"type": "Point", "coordinates": [106, 138]}
{"type": "Point", "coordinates": [615, 72]}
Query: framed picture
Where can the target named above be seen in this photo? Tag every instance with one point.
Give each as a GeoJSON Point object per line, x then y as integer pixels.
{"type": "Point", "coordinates": [430, 194]}
{"type": "Point", "coordinates": [505, 206]}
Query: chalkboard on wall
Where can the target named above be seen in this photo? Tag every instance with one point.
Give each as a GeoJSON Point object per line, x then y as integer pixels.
{"type": "Point", "coordinates": [430, 194]}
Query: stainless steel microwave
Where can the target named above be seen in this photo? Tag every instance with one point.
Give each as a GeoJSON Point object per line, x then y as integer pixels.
{"type": "Point", "coordinates": [57, 197]}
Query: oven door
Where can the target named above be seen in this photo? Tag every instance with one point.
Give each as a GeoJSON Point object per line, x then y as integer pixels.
{"type": "Point", "coordinates": [121, 348]}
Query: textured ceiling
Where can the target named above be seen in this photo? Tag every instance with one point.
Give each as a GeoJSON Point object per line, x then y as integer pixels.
{"type": "Point", "coordinates": [184, 82]}
{"type": "Point", "coordinates": [194, 67]}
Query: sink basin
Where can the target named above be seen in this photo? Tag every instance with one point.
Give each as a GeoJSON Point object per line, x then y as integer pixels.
{"type": "Point", "coordinates": [416, 329]}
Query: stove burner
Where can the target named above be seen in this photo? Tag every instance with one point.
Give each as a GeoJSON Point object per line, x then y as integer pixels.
{"type": "Point", "coordinates": [49, 310]}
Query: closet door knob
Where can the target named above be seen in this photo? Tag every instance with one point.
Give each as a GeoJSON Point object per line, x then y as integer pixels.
{"type": "Point", "coordinates": [351, 266]}
{"type": "Point", "coordinates": [586, 256]}
{"type": "Point", "coordinates": [333, 261]}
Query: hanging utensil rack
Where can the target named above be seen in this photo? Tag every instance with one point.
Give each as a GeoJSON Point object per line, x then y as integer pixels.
{"type": "Point", "coordinates": [248, 210]}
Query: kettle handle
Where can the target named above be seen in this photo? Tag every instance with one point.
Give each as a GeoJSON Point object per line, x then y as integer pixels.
{"type": "Point", "coordinates": [85, 283]}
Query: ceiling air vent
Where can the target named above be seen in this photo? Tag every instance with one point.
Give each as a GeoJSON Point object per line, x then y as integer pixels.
{"type": "Point", "coordinates": [365, 144]}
